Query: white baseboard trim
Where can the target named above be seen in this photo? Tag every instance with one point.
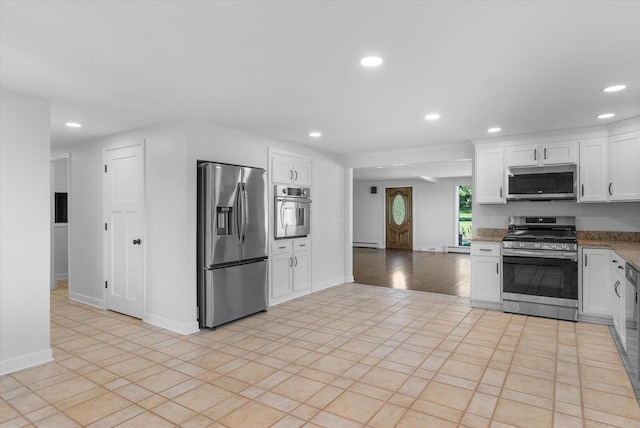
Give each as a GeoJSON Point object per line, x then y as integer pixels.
{"type": "Point", "coordinates": [366, 245]}
{"type": "Point", "coordinates": [60, 276]}
{"type": "Point", "coordinates": [172, 325]}
{"type": "Point", "coordinates": [87, 300]}
{"type": "Point", "coordinates": [349, 278]}
{"type": "Point", "coordinates": [25, 361]}
{"type": "Point", "coordinates": [461, 250]}
{"type": "Point", "coordinates": [328, 284]}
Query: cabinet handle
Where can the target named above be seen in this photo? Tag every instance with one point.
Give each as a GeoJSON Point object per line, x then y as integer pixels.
{"type": "Point", "coordinates": [535, 154]}
{"type": "Point", "coordinates": [585, 261]}
{"type": "Point", "coordinates": [615, 288]}
{"type": "Point", "coordinates": [290, 174]}
{"type": "Point", "coordinates": [610, 184]}
{"type": "Point", "coordinates": [290, 261]}
{"type": "Point", "coordinates": [485, 249]}
{"type": "Point", "coordinates": [582, 190]}
{"type": "Point", "coordinates": [545, 153]}
{"type": "Point", "coordinates": [296, 178]}
{"type": "Point", "coordinates": [282, 248]}
{"type": "Point", "coordinates": [620, 267]}
{"type": "Point", "coordinates": [302, 245]}
{"type": "Point", "coordinates": [296, 264]}
{"type": "Point", "coordinates": [498, 268]}
{"type": "Point", "coordinates": [500, 191]}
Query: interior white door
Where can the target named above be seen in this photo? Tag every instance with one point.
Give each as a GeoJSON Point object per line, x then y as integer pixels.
{"type": "Point", "coordinates": [123, 187]}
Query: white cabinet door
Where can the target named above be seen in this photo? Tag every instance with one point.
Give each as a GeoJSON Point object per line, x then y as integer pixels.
{"type": "Point", "coordinates": [619, 315]}
{"type": "Point", "coordinates": [281, 265]}
{"type": "Point", "coordinates": [596, 282]}
{"type": "Point", "coordinates": [281, 169]}
{"type": "Point", "coordinates": [593, 170]}
{"type": "Point", "coordinates": [624, 167]}
{"type": "Point", "coordinates": [301, 271]}
{"type": "Point", "coordinates": [562, 152]}
{"type": "Point", "coordinates": [290, 170]}
{"type": "Point", "coordinates": [525, 155]}
{"type": "Point", "coordinates": [485, 279]}
{"type": "Point", "coordinates": [302, 171]}
{"type": "Point", "coordinates": [489, 176]}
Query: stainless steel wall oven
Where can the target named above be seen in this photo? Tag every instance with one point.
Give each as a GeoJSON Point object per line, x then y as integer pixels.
{"type": "Point", "coordinates": [540, 267]}
{"type": "Point", "coordinates": [292, 211]}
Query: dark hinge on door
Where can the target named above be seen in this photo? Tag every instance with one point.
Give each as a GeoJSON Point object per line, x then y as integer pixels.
{"type": "Point", "coordinates": [105, 284]}
{"type": "Point", "coordinates": [105, 168]}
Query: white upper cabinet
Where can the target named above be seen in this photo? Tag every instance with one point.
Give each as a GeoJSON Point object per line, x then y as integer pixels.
{"type": "Point", "coordinates": [624, 167]}
{"type": "Point", "coordinates": [489, 176]}
{"type": "Point", "coordinates": [593, 171]}
{"type": "Point", "coordinates": [287, 169]}
{"type": "Point", "coordinates": [564, 152]}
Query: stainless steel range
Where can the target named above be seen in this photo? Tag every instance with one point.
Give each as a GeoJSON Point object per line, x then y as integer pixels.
{"type": "Point", "coordinates": [540, 267]}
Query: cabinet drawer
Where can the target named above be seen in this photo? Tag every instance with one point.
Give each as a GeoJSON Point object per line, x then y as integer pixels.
{"type": "Point", "coordinates": [281, 247]}
{"type": "Point", "coordinates": [485, 249]}
{"type": "Point", "coordinates": [302, 244]}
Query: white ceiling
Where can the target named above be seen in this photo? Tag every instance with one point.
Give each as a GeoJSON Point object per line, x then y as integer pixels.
{"type": "Point", "coordinates": [282, 68]}
{"type": "Point", "coordinates": [428, 171]}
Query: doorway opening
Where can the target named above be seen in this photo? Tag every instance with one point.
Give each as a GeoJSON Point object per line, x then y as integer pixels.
{"type": "Point", "coordinates": [464, 199]}
{"type": "Point", "coordinates": [60, 232]}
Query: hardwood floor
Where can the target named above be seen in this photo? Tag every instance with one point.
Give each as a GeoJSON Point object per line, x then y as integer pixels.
{"type": "Point", "coordinates": [444, 273]}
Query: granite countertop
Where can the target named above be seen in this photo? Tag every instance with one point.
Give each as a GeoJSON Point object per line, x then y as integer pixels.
{"type": "Point", "coordinates": [489, 235]}
{"type": "Point", "coordinates": [625, 244]}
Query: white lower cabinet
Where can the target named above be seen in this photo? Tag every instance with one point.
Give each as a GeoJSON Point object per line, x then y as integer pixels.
{"type": "Point", "coordinates": [486, 274]}
{"type": "Point", "coordinates": [596, 291]}
{"type": "Point", "coordinates": [290, 268]}
{"type": "Point", "coordinates": [618, 293]}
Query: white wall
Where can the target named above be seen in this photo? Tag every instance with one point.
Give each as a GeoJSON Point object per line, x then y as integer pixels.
{"type": "Point", "coordinates": [622, 217]}
{"type": "Point", "coordinates": [172, 151]}
{"type": "Point", "coordinates": [433, 212]}
{"type": "Point", "coordinates": [24, 231]}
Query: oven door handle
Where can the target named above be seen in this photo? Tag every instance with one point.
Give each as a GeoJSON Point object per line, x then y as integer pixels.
{"type": "Point", "coordinates": [540, 254]}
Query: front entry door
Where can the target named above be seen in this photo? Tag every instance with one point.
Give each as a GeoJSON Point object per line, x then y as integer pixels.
{"type": "Point", "coordinates": [123, 188]}
{"type": "Point", "coordinates": [399, 226]}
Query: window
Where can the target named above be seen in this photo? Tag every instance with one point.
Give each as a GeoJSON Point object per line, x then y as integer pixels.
{"type": "Point", "coordinates": [463, 223]}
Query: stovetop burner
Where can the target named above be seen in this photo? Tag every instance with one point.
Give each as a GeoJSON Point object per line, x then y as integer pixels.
{"type": "Point", "coordinates": [541, 233]}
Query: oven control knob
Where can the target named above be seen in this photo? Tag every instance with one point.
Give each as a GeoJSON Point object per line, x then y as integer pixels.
{"type": "Point", "coordinates": [521, 244]}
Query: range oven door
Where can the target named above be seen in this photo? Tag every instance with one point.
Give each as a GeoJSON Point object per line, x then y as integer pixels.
{"type": "Point", "coordinates": [540, 276]}
{"type": "Point", "coordinates": [292, 217]}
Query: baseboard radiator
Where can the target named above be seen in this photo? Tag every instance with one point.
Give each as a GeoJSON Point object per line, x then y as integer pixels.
{"type": "Point", "coordinates": [366, 244]}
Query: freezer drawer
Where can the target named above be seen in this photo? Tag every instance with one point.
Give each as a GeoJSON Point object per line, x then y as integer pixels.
{"type": "Point", "coordinates": [233, 292]}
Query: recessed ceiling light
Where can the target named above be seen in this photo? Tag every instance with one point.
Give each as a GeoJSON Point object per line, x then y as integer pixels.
{"type": "Point", "coordinates": [371, 61]}
{"type": "Point", "coordinates": [606, 115]}
{"type": "Point", "coordinates": [614, 88]}
{"type": "Point", "coordinates": [315, 134]}
{"type": "Point", "coordinates": [494, 129]}
{"type": "Point", "coordinates": [73, 125]}
{"type": "Point", "coordinates": [432, 116]}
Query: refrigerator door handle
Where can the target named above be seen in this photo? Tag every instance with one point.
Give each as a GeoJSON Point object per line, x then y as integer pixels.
{"type": "Point", "coordinates": [239, 211]}
{"type": "Point", "coordinates": [245, 210]}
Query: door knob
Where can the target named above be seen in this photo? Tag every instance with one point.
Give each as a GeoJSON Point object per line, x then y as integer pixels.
{"type": "Point", "coordinates": [137, 241]}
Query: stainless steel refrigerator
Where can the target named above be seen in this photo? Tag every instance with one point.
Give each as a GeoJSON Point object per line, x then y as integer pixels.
{"type": "Point", "coordinates": [232, 242]}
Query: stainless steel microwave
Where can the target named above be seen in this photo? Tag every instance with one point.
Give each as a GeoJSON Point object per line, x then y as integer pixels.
{"type": "Point", "coordinates": [542, 183]}
{"type": "Point", "coordinates": [292, 211]}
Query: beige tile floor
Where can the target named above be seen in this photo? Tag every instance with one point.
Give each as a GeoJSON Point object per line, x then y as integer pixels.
{"type": "Point", "coordinates": [350, 356]}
